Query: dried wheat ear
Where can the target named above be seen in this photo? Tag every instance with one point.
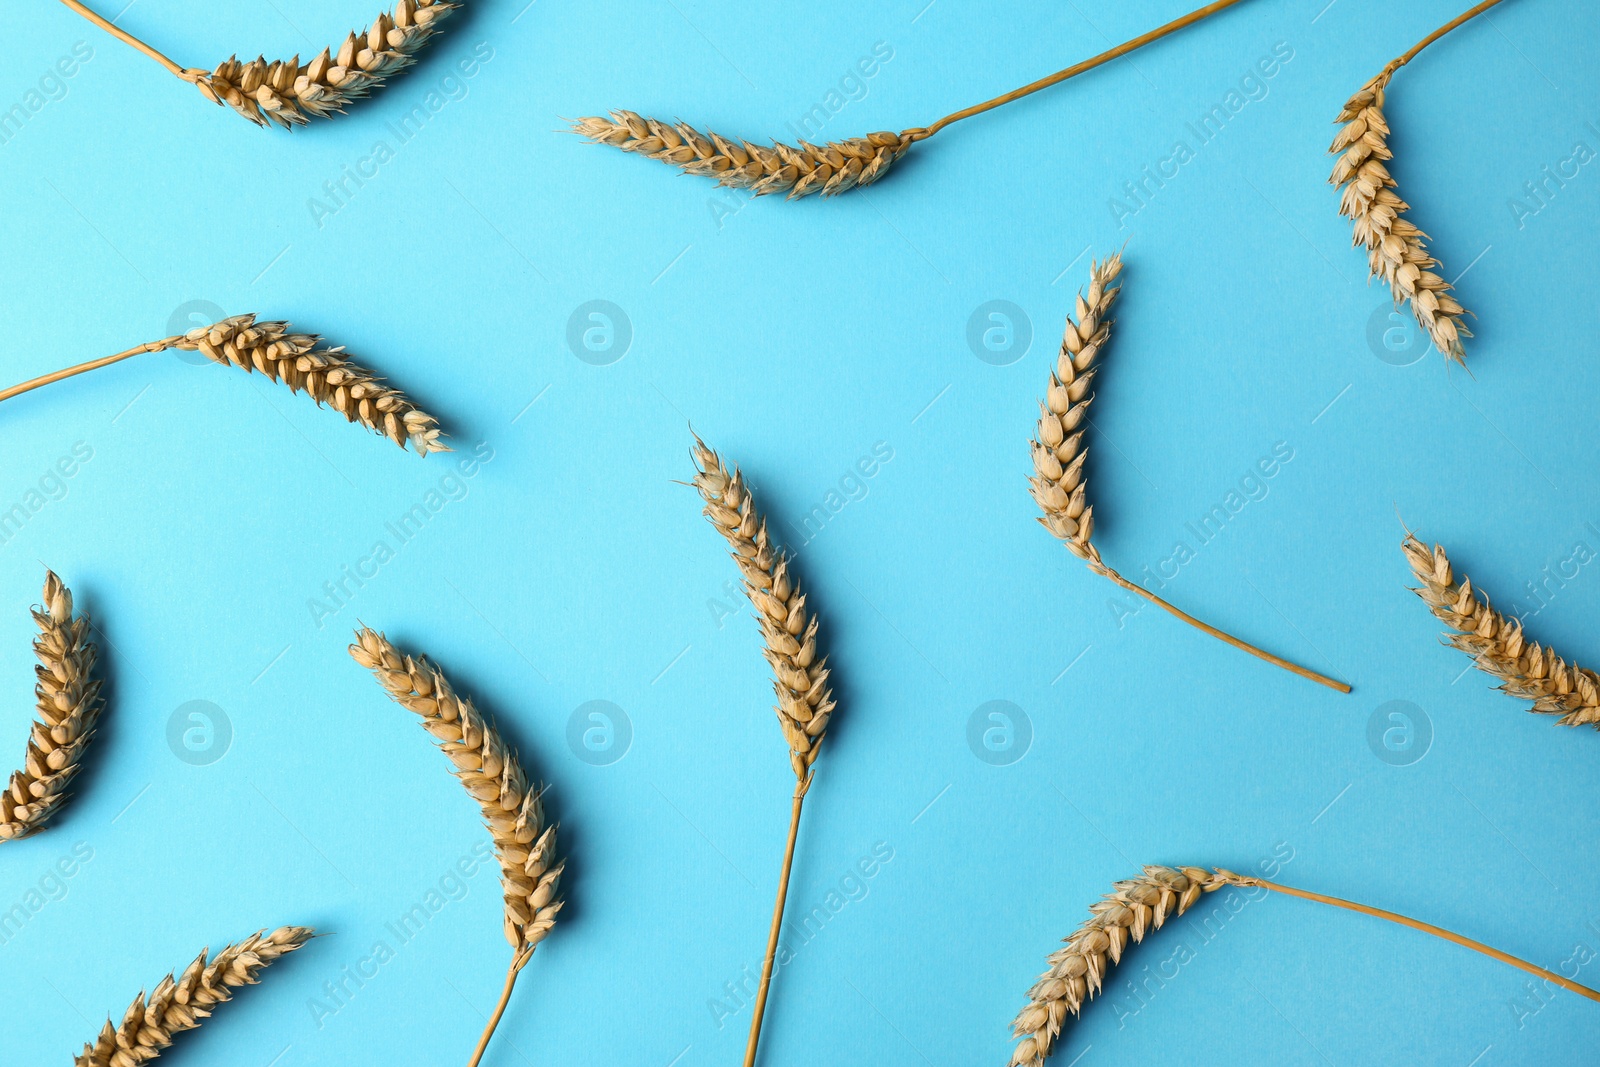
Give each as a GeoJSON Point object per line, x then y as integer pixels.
{"type": "Point", "coordinates": [288, 93]}
{"type": "Point", "coordinates": [1078, 971]}
{"type": "Point", "coordinates": [832, 167]}
{"type": "Point", "coordinates": [298, 360]}
{"type": "Point", "coordinates": [530, 870]}
{"type": "Point", "coordinates": [182, 1002]}
{"type": "Point", "coordinates": [69, 707]}
{"type": "Point", "coordinates": [1498, 646]}
{"type": "Point", "coordinates": [1059, 484]}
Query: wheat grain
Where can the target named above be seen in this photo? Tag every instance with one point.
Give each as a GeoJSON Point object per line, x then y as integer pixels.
{"type": "Point", "coordinates": [490, 771]}
{"type": "Point", "coordinates": [1397, 250]}
{"type": "Point", "coordinates": [1498, 645]}
{"type": "Point", "coordinates": [799, 678]}
{"type": "Point", "coordinates": [1059, 485]}
{"type": "Point", "coordinates": [1077, 972]}
{"type": "Point", "coordinates": [181, 1003]}
{"type": "Point", "coordinates": [288, 93]}
{"type": "Point", "coordinates": [69, 707]}
{"type": "Point", "coordinates": [829, 168]}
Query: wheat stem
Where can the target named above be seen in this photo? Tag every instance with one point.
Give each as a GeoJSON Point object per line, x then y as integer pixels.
{"type": "Point", "coordinates": [1220, 635]}
{"type": "Point", "coordinates": [1077, 68]}
{"type": "Point", "coordinates": [1464, 17]}
{"type": "Point", "coordinates": [777, 926]}
{"type": "Point", "coordinates": [517, 963]}
{"type": "Point", "coordinates": [95, 364]}
{"type": "Point", "coordinates": [127, 38]}
{"type": "Point", "coordinates": [1427, 928]}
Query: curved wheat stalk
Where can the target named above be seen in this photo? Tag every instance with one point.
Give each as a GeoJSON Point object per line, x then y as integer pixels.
{"type": "Point", "coordinates": [530, 872]}
{"type": "Point", "coordinates": [183, 1002]}
{"type": "Point", "coordinates": [69, 708]}
{"type": "Point", "coordinates": [1397, 250]}
{"type": "Point", "coordinates": [297, 360]}
{"type": "Point", "coordinates": [1058, 483]}
{"type": "Point", "coordinates": [830, 168]}
{"type": "Point", "coordinates": [1077, 972]}
{"type": "Point", "coordinates": [799, 677]}
{"type": "Point", "coordinates": [1498, 646]}
{"type": "Point", "coordinates": [289, 93]}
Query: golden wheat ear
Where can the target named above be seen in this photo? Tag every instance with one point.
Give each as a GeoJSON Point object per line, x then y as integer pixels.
{"type": "Point", "coordinates": [182, 1002]}
{"type": "Point", "coordinates": [298, 360]}
{"type": "Point", "coordinates": [69, 709]}
{"type": "Point", "coordinates": [1397, 251]}
{"type": "Point", "coordinates": [800, 679]}
{"type": "Point", "coordinates": [1059, 485]}
{"type": "Point", "coordinates": [1498, 646]}
{"type": "Point", "coordinates": [530, 870]}
{"type": "Point", "coordinates": [830, 168]}
{"type": "Point", "coordinates": [1078, 971]}
{"type": "Point", "coordinates": [289, 93]}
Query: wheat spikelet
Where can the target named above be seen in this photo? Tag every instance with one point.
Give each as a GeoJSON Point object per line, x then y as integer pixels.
{"type": "Point", "coordinates": [1498, 645]}
{"type": "Point", "coordinates": [799, 678]}
{"type": "Point", "coordinates": [1078, 971]}
{"type": "Point", "coordinates": [1397, 250]}
{"type": "Point", "coordinates": [829, 169]}
{"type": "Point", "coordinates": [525, 845]}
{"type": "Point", "coordinates": [289, 94]}
{"type": "Point", "coordinates": [1059, 450]}
{"type": "Point", "coordinates": [324, 374]}
{"type": "Point", "coordinates": [180, 1003]}
{"type": "Point", "coordinates": [69, 708]}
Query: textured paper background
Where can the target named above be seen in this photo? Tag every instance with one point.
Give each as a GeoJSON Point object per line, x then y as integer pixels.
{"type": "Point", "coordinates": [801, 338]}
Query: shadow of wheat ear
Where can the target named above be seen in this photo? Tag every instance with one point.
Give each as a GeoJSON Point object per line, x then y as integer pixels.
{"type": "Point", "coordinates": [1078, 971]}
{"type": "Point", "coordinates": [298, 360]}
{"type": "Point", "coordinates": [530, 871]}
{"type": "Point", "coordinates": [831, 168]}
{"type": "Point", "coordinates": [69, 706]}
{"type": "Point", "coordinates": [1498, 646]}
{"type": "Point", "coordinates": [183, 1002]}
{"type": "Point", "coordinates": [1059, 483]}
{"type": "Point", "coordinates": [289, 93]}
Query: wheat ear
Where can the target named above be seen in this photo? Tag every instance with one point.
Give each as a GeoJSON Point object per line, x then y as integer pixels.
{"type": "Point", "coordinates": [182, 1002]}
{"type": "Point", "coordinates": [530, 872]}
{"type": "Point", "coordinates": [830, 168]}
{"type": "Point", "coordinates": [1397, 251]}
{"type": "Point", "coordinates": [1498, 645]}
{"type": "Point", "coordinates": [298, 361]}
{"type": "Point", "coordinates": [799, 677]}
{"type": "Point", "coordinates": [69, 704]}
{"type": "Point", "coordinates": [1059, 450]}
{"type": "Point", "coordinates": [288, 93]}
{"type": "Point", "coordinates": [1077, 972]}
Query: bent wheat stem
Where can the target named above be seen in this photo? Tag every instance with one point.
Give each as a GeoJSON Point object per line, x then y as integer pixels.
{"type": "Point", "coordinates": [799, 678]}
{"type": "Point", "coordinates": [831, 168]}
{"type": "Point", "coordinates": [1078, 971]}
{"type": "Point", "coordinates": [1059, 485]}
{"type": "Point", "coordinates": [299, 361]}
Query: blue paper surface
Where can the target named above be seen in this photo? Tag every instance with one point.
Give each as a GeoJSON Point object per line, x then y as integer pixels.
{"type": "Point", "coordinates": [225, 534]}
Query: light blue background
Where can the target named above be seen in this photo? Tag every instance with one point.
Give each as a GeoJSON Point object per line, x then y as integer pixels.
{"type": "Point", "coordinates": [795, 337]}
